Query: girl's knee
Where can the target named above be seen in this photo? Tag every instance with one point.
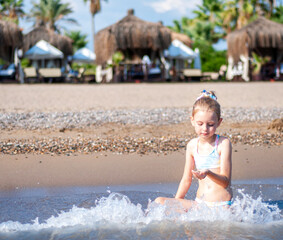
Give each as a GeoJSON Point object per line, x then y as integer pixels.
{"type": "Point", "coordinates": [160, 200]}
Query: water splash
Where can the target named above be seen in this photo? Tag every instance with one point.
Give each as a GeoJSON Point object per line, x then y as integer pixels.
{"type": "Point", "coordinates": [249, 210]}
{"type": "Point", "coordinates": [117, 211]}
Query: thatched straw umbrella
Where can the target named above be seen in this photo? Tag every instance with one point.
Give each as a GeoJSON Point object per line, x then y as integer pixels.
{"type": "Point", "coordinates": [10, 38]}
{"type": "Point", "coordinates": [261, 35]}
{"type": "Point", "coordinates": [133, 36]}
{"type": "Point", "coordinates": [61, 42]}
{"type": "Point", "coordinates": [182, 37]}
{"type": "Point", "coordinates": [264, 37]}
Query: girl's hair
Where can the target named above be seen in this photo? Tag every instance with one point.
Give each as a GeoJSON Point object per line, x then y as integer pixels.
{"type": "Point", "coordinates": [207, 101]}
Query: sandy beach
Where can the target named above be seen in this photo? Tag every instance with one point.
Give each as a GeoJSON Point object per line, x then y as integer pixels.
{"type": "Point", "coordinates": [128, 133]}
{"type": "Point", "coordinates": [52, 98]}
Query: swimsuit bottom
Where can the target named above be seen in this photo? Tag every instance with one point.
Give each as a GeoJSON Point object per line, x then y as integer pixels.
{"type": "Point", "coordinates": [214, 204]}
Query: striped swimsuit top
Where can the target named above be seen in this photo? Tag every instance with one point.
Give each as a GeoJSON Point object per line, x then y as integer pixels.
{"type": "Point", "coordinates": [209, 161]}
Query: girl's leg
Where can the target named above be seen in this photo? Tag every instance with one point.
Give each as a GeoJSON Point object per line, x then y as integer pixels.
{"type": "Point", "coordinates": [186, 204]}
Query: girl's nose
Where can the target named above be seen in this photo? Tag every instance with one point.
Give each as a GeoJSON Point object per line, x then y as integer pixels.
{"type": "Point", "coordinates": [204, 126]}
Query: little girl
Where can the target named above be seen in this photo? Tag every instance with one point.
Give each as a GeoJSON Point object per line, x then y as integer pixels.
{"type": "Point", "coordinates": [210, 154]}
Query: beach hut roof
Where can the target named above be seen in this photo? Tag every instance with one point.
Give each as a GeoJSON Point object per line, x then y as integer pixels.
{"type": "Point", "coordinates": [262, 36]}
{"type": "Point", "coordinates": [84, 55]}
{"type": "Point", "coordinates": [63, 43]}
{"type": "Point", "coordinates": [131, 33]}
{"type": "Point", "coordinates": [43, 50]}
{"type": "Point", "coordinates": [182, 37]}
{"type": "Point", "coordinates": [10, 38]}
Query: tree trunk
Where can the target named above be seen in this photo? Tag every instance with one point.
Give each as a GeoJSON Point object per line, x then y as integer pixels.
{"type": "Point", "coordinates": [271, 5]}
{"type": "Point", "coordinates": [240, 21]}
{"type": "Point", "coordinates": [93, 30]}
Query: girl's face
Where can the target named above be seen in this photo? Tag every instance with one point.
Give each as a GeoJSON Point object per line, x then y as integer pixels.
{"type": "Point", "coordinates": [205, 123]}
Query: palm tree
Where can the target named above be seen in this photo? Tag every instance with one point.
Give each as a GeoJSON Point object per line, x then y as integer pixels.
{"type": "Point", "coordinates": [229, 16]}
{"type": "Point", "coordinates": [246, 11]}
{"type": "Point", "coordinates": [184, 26]}
{"type": "Point", "coordinates": [237, 13]}
{"type": "Point", "coordinates": [209, 10]}
{"type": "Point", "coordinates": [216, 18]}
{"type": "Point", "coordinates": [11, 10]}
{"type": "Point", "coordinates": [79, 39]}
{"type": "Point", "coordinates": [271, 6]}
{"type": "Point", "coordinates": [50, 12]}
{"type": "Point", "coordinates": [208, 19]}
{"type": "Point", "coordinates": [95, 7]}
{"type": "Point", "coordinates": [277, 16]}
{"type": "Point", "coordinates": [177, 26]}
{"type": "Point", "coordinates": [265, 6]}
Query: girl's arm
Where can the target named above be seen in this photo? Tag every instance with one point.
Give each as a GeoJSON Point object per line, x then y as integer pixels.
{"type": "Point", "coordinates": [186, 180]}
{"type": "Point", "coordinates": [224, 177]}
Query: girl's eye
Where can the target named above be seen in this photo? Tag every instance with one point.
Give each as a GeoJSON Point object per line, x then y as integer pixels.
{"type": "Point", "coordinates": [199, 123]}
{"type": "Point", "coordinates": [211, 124]}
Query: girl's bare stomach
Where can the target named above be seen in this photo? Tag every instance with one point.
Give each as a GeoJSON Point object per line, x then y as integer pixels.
{"type": "Point", "coordinates": [211, 192]}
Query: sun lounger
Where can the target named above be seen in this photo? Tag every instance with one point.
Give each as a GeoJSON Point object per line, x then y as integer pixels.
{"type": "Point", "coordinates": [192, 74]}
{"type": "Point", "coordinates": [30, 74]}
{"type": "Point", "coordinates": [210, 76]}
{"type": "Point", "coordinates": [196, 74]}
{"type": "Point", "coordinates": [50, 73]}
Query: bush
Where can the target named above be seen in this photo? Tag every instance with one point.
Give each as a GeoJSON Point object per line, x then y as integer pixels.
{"type": "Point", "coordinates": [211, 60]}
{"type": "Point", "coordinates": [25, 63]}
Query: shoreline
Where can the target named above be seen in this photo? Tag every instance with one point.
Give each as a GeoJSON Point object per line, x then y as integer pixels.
{"type": "Point", "coordinates": [34, 171]}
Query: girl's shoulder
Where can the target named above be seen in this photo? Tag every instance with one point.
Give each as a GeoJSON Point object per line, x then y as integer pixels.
{"type": "Point", "coordinates": [224, 142]}
{"type": "Point", "coordinates": [223, 139]}
{"type": "Point", "coordinates": [191, 144]}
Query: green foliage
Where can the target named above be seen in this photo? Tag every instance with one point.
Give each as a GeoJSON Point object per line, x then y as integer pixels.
{"type": "Point", "coordinates": [89, 68]}
{"type": "Point", "coordinates": [79, 39]}
{"type": "Point", "coordinates": [117, 57]}
{"type": "Point", "coordinates": [12, 10]}
{"type": "Point", "coordinates": [25, 63]}
{"type": "Point", "coordinates": [2, 62]}
{"type": "Point", "coordinates": [258, 61]}
{"type": "Point", "coordinates": [214, 61]}
{"type": "Point", "coordinates": [214, 19]}
{"type": "Point", "coordinates": [50, 13]}
{"type": "Point", "coordinates": [204, 31]}
{"type": "Point", "coordinates": [277, 15]}
{"type": "Point", "coordinates": [205, 25]}
{"type": "Point", "coordinates": [211, 59]}
{"type": "Point", "coordinates": [90, 71]}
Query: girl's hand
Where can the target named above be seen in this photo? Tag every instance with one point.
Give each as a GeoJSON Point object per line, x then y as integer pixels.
{"type": "Point", "coordinates": [201, 174]}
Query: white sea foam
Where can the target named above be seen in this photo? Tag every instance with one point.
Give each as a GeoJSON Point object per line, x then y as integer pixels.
{"type": "Point", "coordinates": [117, 211]}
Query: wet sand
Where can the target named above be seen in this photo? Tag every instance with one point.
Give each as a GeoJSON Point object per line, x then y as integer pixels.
{"type": "Point", "coordinates": [250, 161]}
{"type": "Point", "coordinates": [23, 171]}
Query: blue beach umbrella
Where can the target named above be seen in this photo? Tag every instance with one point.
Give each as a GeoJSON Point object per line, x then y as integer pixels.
{"type": "Point", "coordinates": [197, 63]}
{"type": "Point", "coordinates": [43, 50]}
{"type": "Point", "coordinates": [178, 50]}
{"type": "Point", "coordinates": [84, 55]}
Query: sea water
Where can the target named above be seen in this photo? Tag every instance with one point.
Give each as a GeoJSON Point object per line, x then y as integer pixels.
{"type": "Point", "coordinates": [128, 212]}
